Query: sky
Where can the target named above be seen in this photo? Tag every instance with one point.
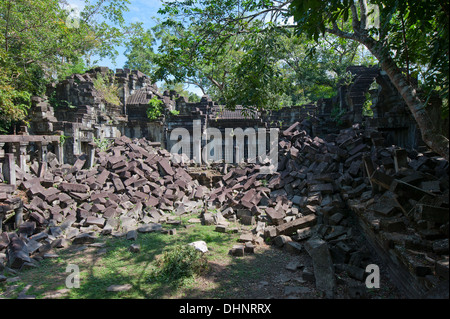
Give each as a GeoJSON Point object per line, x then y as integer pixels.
{"type": "Point", "coordinates": [139, 11]}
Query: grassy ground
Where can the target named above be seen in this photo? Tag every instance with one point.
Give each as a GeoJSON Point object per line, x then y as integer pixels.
{"type": "Point", "coordinates": [259, 276]}
{"type": "Point", "coordinates": [114, 264]}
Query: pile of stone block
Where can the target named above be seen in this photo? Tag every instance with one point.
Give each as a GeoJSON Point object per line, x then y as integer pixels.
{"type": "Point", "coordinates": [399, 200]}
{"type": "Point", "coordinates": [130, 189]}
{"type": "Point", "coordinates": [407, 214]}
{"type": "Point", "coordinates": [402, 195]}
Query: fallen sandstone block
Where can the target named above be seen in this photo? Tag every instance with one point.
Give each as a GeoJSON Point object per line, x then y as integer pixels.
{"type": "Point", "coordinates": [323, 266]}
{"type": "Point", "coordinates": [299, 223]}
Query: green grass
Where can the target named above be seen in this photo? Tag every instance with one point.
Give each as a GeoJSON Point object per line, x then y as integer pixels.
{"type": "Point", "coordinates": [120, 266]}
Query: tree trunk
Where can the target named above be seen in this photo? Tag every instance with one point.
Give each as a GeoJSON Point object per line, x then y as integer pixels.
{"type": "Point", "coordinates": [430, 132]}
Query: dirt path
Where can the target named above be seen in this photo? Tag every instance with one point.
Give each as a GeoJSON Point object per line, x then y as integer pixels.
{"type": "Point", "coordinates": [265, 275]}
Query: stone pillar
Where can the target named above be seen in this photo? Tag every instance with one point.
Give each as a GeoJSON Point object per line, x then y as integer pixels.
{"type": "Point", "coordinates": [23, 156]}
{"type": "Point", "coordinates": [237, 154]}
{"type": "Point", "coordinates": [91, 154]}
{"type": "Point", "coordinates": [2, 151]}
{"type": "Point", "coordinates": [43, 149]}
{"type": "Point", "coordinates": [9, 169]}
{"type": "Point", "coordinates": [59, 152]}
{"type": "Point", "coordinates": [59, 149]}
{"type": "Point", "coordinates": [19, 215]}
{"type": "Point", "coordinates": [14, 147]}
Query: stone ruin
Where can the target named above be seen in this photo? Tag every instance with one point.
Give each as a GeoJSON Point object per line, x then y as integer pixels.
{"type": "Point", "coordinates": [83, 116]}
{"type": "Point", "coordinates": [331, 181]}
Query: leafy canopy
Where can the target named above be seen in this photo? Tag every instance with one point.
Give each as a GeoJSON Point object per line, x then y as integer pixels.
{"type": "Point", "coordinates": [41, 41]}
{"type": "Point", "coordinates": [244, 52]}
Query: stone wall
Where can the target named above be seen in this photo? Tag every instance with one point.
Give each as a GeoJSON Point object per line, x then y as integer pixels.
{"type": "Point", "coordinates": [84, 117]}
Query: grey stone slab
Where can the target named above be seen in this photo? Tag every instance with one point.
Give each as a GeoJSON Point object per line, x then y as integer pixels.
{"type": "Point", "coordinates": [149, 228]}
{"type": "Point", "coordinates": [119, 288]}
{"type": "Point", "coordinates": [323, 266]}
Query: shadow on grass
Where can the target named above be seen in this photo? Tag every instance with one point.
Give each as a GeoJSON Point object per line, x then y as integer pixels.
{"type": "Point", "coordinates": [228, 277]}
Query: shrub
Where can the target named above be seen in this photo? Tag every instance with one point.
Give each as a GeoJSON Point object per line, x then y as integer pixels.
{"type": "Point", "coordinates": [179, 263]}
{"type": "Point", "coordinates": [155, 109]}
{"type": "Point", "coordinates": [108, 91]}
{"type": "Point", "coordinates": [102, 144]}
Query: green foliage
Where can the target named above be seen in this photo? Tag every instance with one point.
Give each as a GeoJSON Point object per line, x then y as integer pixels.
{"type": "Point", "coordinates": [63, 139]}
{"type": "Point", "coordinates": [423, 54]}
{"type": "Point", "coordinates": [241, 53]}
{"type": "Point", "coordinates": [102, 144]}
{"type": "Point", "coordinates": [180, 89]}
{"type": "Point", "coordinates": [139, 52]}
{"type": "Point", "coordinates": [39, 43]}
{"type": "Point", "coordinates": [107, 89]}
{"type": "Point", "coordinates": [336, 115]}
{"type": "Point", "coordinates": [192, 97]}
{"type": "Point", "coordinates": [156, 108]}
{"type": "Point", "coordinates": [56, 103]}
{"type": "Point", "coordinates": [14, 103]}
{"type": "Point", "coordinates": [175, 112]}
{"type": "Point", "coordinates": [178, 263]}
{"type": "Point", "coordinates": [366, 109]}
{"type": "Point", "coordinates": [78, 66]}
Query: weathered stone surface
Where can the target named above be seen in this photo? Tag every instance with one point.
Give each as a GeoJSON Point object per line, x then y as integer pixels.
{"type": "Point", "coordinates": [132, 235]}
{"type": "Point", "coordinates": [135, 248]}
{"type": "Point", "coordinates": [281, 240]}
{"type": "Point", "coordinates": [17, 252]}
{"type": "Point", "coordinates": [238, 250]}
{"type": "Point", "coordinates": [91, 220]}
{"type": "Point", "coordinates": [165, 166]}
{"type": "Point", "coordinates": [83, 239]}
{"type": "Point", "coordinates": [276, 216]}
{"type": "Point", "coordinates": [323, 266]}
{"type": "Point", "coordinates": [299, 223]}
{"type": "Point", "coordinates": [149, 228]}
{"type": "Point", "coordinates": [246, 237]}
{"type": "Point", "coordinates": [294, 247]}
{"type": "Point", "coordinates": [70, 187]}
{"type": "Point", "coordinates": [119, 288]}
{"type": "Point", "coordinates": [432, 213]}
{"type": "Point", "coordinates": [316, 179]}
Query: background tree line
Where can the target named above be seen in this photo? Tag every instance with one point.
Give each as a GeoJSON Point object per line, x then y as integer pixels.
{"type": "Point", "coordinates": [255, 53]}
{"type": "Point", "coordinates": [272, 53]}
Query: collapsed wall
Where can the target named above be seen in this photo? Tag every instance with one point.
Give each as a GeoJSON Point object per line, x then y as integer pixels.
{"type": "Point", "coordinates": [79, 110]}
{"type": "Point", "coordinates": [399, 197]}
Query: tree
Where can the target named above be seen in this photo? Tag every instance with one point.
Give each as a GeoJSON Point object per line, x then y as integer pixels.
{"type": "Point", "coordinates": [14, 103]}
{"type": "Point", "coordinates": [315, 69]}
{"type": "Point", "coordinates": [40, 41]}
{"type": "Point", "coordinates": [393, 42]}
{"type": "Point", "coordinates": [181, 58]}
{"type": "Point", "coordinates": [257, 66]}
{"type": "Point", "coordinates": [398, 20]}
{"type": "Point", "coordinates": [139, 52]}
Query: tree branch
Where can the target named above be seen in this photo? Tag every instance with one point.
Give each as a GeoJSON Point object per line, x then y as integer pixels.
{"type": "Point", "coordinates": [355, 20]}
{"type": "Point", "coordinates": [338, 32]}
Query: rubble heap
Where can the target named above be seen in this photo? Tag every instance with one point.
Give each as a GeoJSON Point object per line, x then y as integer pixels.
{"type": "Point", "coordinates": [400, 197]}
{"type": "Point", "coordinates": [130, 188]}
